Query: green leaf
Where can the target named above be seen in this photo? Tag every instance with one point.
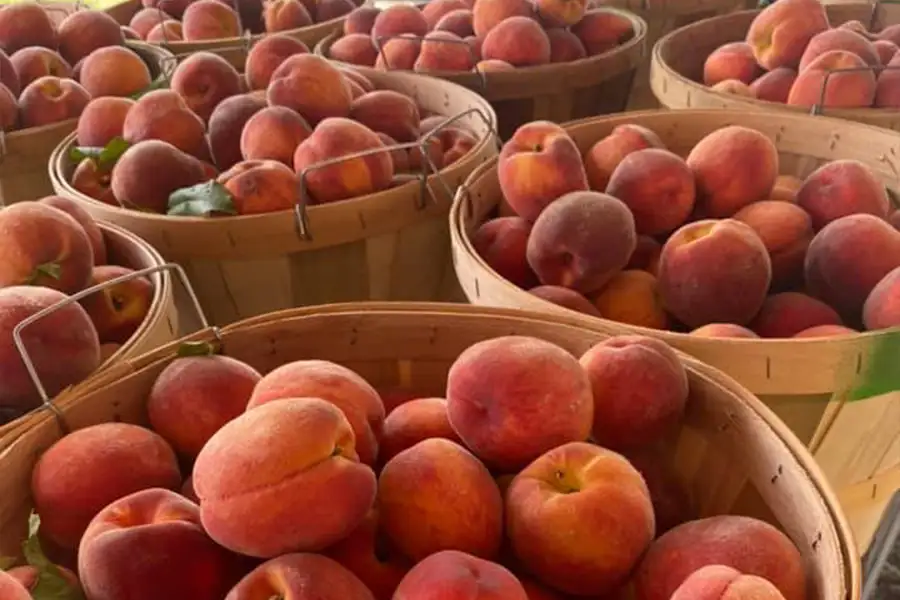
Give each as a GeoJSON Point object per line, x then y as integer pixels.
{"type": "Point", "coordinates": [31, 547]}
{"type": "Point", "coordinates": [106, 157]}
{"type": "Point", "coordinates": [7, 562]}
{"type": "Point", "coordinates": [882, 374]}
{"type": "Point", "coordinates": [50, 270]}
{"type": "Point", "coordinates": [201, 200]}
{"type": "Point", "coordinates": [197, 348]}
{"type": "Point", "coordinates": [50, 584]}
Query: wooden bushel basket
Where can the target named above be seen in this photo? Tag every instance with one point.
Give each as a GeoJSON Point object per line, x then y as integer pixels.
{"type": "Point", "coordinates": [24, 153]}
{"type": "Point", "coordinates": [662, 17]}
{"type": "Point", "coordinates": [733, 454]}
{"type": "Point", "coordinates": [676, 69]}
{"type": "Point", "coordinates": [803, 381]}
{"type": "Point", "coordinates": [392, 245]}
{"type": "Point", "coordinates": [558, 92]}
{"type": "Point", "coordinates": [159, 327]}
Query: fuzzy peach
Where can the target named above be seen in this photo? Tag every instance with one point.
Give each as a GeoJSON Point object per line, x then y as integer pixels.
{"type": "Point", "coordinates": [460, 22]}
{"type": "Point", "coordinates": [11, 589]}
{"type": "Point", "coordinates": [631, 297]}
{"type": "Point", "coordinates": [882, 307]}
{"type": "Point", "coordinates": [839, 39]}
{"type": "Point", "coordinates": [774, 86]}
{"type": "Point", "coordinates": [114, 71]}
{"type": "Point", "coordinates": [226, 126]}
{"type": "Point", "coordinates": [820, 331]}
{"type": "Point", "coordinates": [398, 19]}
{"type": "Point", "coordinates": [734, 60]}
{"type": "Point", "coordinates": [310, 85]}
{"type": "Point", "coordinates": [267, 55]}
{"type": "Point", "coordinates": [605, 155]}
{"type": "Point", "coordinates": [51, 100]}
{"type": "Point", "coordinates": [788, 313]}
{"type": "Point", "coordinates": [388, 112]}
{"type": "Point", "coordinates": [355, 48]}
{"type": "Point", "coordinates": [117, 311]}
{"type": "Point", "coordinates": [672, 502]}
{"type": "Point", "coordinates": [175, 170]}
{"type": "Point", "coordinates": [786, 188]}
{"type": "Point", "coordinates": [601, 30]}
{"type": "Point", "coordinates": [299, 576]}
{"type": "Point", "coordinates": [413, 422]}
{"type": "Point", "coordinates": [780, 33]}
{"type": "Point", "coordinates": [398, 53]}
{"type": "Point", "coordinates": [273, 133]}
{"type": "Point", "coordinates": [852, 89]}
{"type": "Point", "coordinates": [840, 188]}
{"type": "Point", "coordinates": [84, 31]}
{"type": "Point", "coordinates": [502, 244]}
{"type": "Point", "coordinates": [164, 115]}
{"type": "Point", "coordinates": [519, 41]}
{"type": "Point", "coordinates": [786, 231]}
{"type": "Point", "coordinates": [724, 330]}
{"type": "Point", "coordinates": [83, 217]}
{"type": "Point", "coordinates": [452, 574]}
{"type": "Point", "coordinates": [102, 120]}
{"type": "Point", "coordinates": [718, 582]}
{"type": "Point", "coordinates": [210, 20]}
{"type": "Point", "coordinates": [564, 46]}
{"type": "Point", "coordinates": [203, 80]}
{"type": "Point", "coordinates": [284, 15]}
{"type": "Point", "coordinates": [361, 20]}
{"type": "Point", "coordinates": [487, 14]}
{"type": "Point", "coordinates": [34, 62]}
{"type": "Point", "coordinates": [435, 11]}
{"type": "Point", "coordinates": [26, 24]}
{"type": "Point", "coordinates": [562, 296]}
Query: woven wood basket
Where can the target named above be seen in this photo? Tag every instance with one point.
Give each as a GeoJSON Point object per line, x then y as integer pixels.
{"type": "Point", "coordinates": [733, 454]}
{"type": "Point", "coordinates": [805, 382]}
{"type": "Point", "coordinates": [560, 92]}
{"type": "Point", "coordinates": [677, 63]}
{"type": "Point", "coordinates": [393, 245]}
{"type": "Point", "coordinates": [24, 153]}
{"type": "Point", "coordinates": [159, 327]}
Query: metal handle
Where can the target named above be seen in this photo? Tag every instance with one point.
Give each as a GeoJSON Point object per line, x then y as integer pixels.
{"type": "Point", "coordinates": [817, 109]}
{"type": "Point", "coordinates": [26, 358]}
{"type": "Point", "coordinates": [380, 43]}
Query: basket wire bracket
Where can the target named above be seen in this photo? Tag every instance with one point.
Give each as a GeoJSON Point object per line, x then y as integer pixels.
{"type": "Point", "coordinates": [818, 108]}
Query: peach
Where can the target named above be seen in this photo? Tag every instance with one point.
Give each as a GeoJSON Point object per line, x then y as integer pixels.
{"type": "Point", "coordinates": [734, 60]}
{"type": "Point", "coordinates": [581, 241]}
{"type": "Point", "coordinates": [196, 394]}
{"type": "Point", "coordinates": [68, 328]}
{"type": "Point", "coordinates": [786, 231]}
{"type": "Point", "coordinates": [774, 86]}
{"type": "Point", "coordinates": [35, 62]}
{"type": "Point", "coordinates": [632, 297]}
{"type": "Point", "coordinates": [562, 296]}
{"type": "Point", "coordinates": [44, 246]}
{"type": "Point", "coordinates": [266, 55]}
{"type": "Point", "coordinates": [601, 31]}
{"type": "Point", "coordinates": [175, 8]}
{"type": "Point", "coordinates": [724, 330]}
{"type": "Point", "coordinates": [102, 120]}
{"type": "Point", "coordinates": [561, 13]}
{"type": "Point", "coordinates": [433, 12]}
{"type": "Point", "coordinates": [714, 272]}
{"type": "Point", "coordinates": [174, 548]}
{"type": "Point", "coordinates": [388, 112]}
{"type": "Point", "coordinates": [780, 33]}
{"type": "Point", "coordinates": [356, 399]}
{"type": "Point", "coordinates": [50, 100]}
{"type": "Point", "coordinates": [399, 158]}
{"type": "Point", "coordinates": [502, 244]}
{"type": "Point", "coordinates": [538, 164]}
{"type": "Point", "coordinates": [34, 578]}
{"type": "Point", "coordinates": [26, 24]}
{"type": "Point", "coordinates": [886, 50]}
{"type": "Point", "coordinates": [605, 155]}
{"type": "Point", "coordinates": [718, 582]}
{"type": "Point", "coordinates": [748, 545]}
{"type": "Point", "coordinates": [203, 80]}
{"type": "Point", "coordinates": [209, 20]}
{"type": "Point", "coordinates": [173, 170]}
{"type": "Point", "coordinates": [298, 576]}
{"type": "Point", "coordinates": [327, 10]}
{"type": "Point", "coordinates": [536, 591]}
{"type": "Point", "coordinates": [310, 85]}
{"type": "Point", "coordinates": [260, 186]}
{"type": "Point", "coordinates": [114, 71]}
{"type": "Point", "coordinates": [496, 391]}
{"type": "Point", "coordinates": [262, 495]}
{"type": "Point", "coordinates": [852, 89]}
{"type": "Point", "coordinates": [273, 133]}
{"type": "Point", "coordinates": [455, 143]}
{"type": "Point", "coordinates": [848, 258]}
{"type": "Point", "coordinates": [839, 39]}
{"type": "Point", "coordinates": [84, 31]}
{"type": "Point", "coordinates": [733, 167]}
{"type": "Point", "coordinates": [786, 188]}
{"type": "Point", "coordinates": [452, 574]}
{"type": "Point", "coordinates": [640, 390]}
{"type": "Point", "coordinates": [94, 181]}
{"type": "Point", "coordinates": [487, 14]}
{"type": "Point", "coordinates": [825, 331]}
{"type": "Point", "coordinates": [226, 126]}
{"type": "Point", "coordinates": [118, 310]}
{"type": "Point", "coordinates": [672, 504]}
{"type": "Point", "coordinates": [11, 589]}
{"type": "Point", "coordinates": [90, 468]}
{"type": "Point", "coordinates": [858, 27]}
{"type": "Point", "coordinates": [166, 32]}
{"type": "Point", "coordinates": [361, 20]}
{"type": "Point", "coordinates": [75, 210]}
{"type": "Point", "coordinates": [413, 422]}
{"type": "Point", "coordinates": [459, 22]}
{"type": "Point", "coordinates": [787, 314]}
{"type": "Point", "coordinates": [284, 15]}
{"type": "Point", "coordinates": [564, 46]}
{"type": "Point", "coordinates": [519, 41]}
{"type": "Point", "coordinates": [887, 86]}
{"type": "Point", "coordinates": [146, 19]}
{"type": "Point", "coordinates": [335, 138]}
{"type": "Point", "coordinates": [734, 87]}
{"type": "Point", "coordinates": [398, 53]}
{"type": "Point", "coordinates": [840, 188]}
{"type": "Point", "coordinates": [437, 496]}
{"type": "Point", "coordinates": [164, 115]}
{"type": "Point", "coordinates": [882, 307]}
{"type": "Point", "coordinates": [444, 51]}
{"type": "Point", "coordinates": [891, 33]}
{"type": "Point", "coordinates": [601, 503]}
{"type": "Point", "coordinates": [8, 75]}
{"type": "Point", "coordinates": [658, 188]}
{"type": "Point", "coordinates": [398, 19]}
{"type": "Point", "coordinates": [646, 254]}
{"type": "Point", "coordinates": [355, 48]}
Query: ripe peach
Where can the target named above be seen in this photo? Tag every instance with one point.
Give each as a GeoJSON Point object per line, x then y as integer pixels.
{"type": "Point", "coordinates": [519, 41]}
{"type": "Point", "coordinates": [460, 22]}
{"type": "Point", "coordinates": [26, 24]}
{"type": "Point", "coordinates": [90, 468]}
{"type": "Point", "coordinates": [595, 496]}
{"type": "Point", "coordinates": [209, 20]}
{"type": "Point", "coordinates": [226, 126]}
{"type": "Point", "coordinates": [50, 100]}
{"type": "Point", "coordinates": [357, 400]}
{"type": "Point", "coordinates": [640, 391]}
{"type": "Point", "coordinates": [435, 11]}
{"type": "Point", "coordinates": [164, 115]}
{"type": "Point", "coordinates": [852, 89]}
{"type": "Point", "coordinates": [724, 540]}
{"type": "Point", "coordinates": [891, 32]}
{"type": "Point", "coordinates": [502, 244]}
{"type": "Point", "coordinates": [734, 60]}
{"type": "Point", "coordinates": [398, 19]}
{"type": "Point", "coordinates": [75, 210]}
{"type": "Point", "coordinates": [840, 188]}
{"type": "Point", "coordinates": [84, 31]}
{"type": "Point", "coordinates": [11, 589]}
{"type": "Point", "coordinates": [327, 10]}
{"type": "Point", "coordinates": [839, 39]}
{"type": "Point", "coordinates": [102, 120]}
{"type": "Point", "coordinates": [600, 31]}
{"type": "Point", "coordinates": [290, 85]}
{"type": "Point", "coordinates": [561, 13]}
{"type": "Point", "coordinates": [848, 258]}
{"type": "Point", "coordinates": [118, 311]}
{"type": "Point", "coordinates": [260, 186]}
{"type": "Point", "coordinates": [267, 55]}
{"type": "Point", "coordinates": [646, 254]}
{"type": "Point", "coordinates": [581, 241]}
{"type": "Point", "coordinates": [786, 314]}
{"type": "Point", "coordinates": [786, 188]}
{"type": "Point", "coordinates": [887, 86]}
{"type": "Point", "coordinates": [146, 19]}
{"type": "Point", "coordinates": [733, 167]}
{"type": "Point", "coordinates": [114, 71]}
{"type": "Point", "coordinates": [32, 578]}
{"type": "Point", "coordinates": [882, 307]}
{"type": "Point", "coordinates": [496, 392]}
{"type": "Point", "coordinates": [35, 62]}
{"type": "Point", "coordinates": [388, 112]}
{"type": "Point", "coordinates": [300, 576]}
{"type": "Point", "coordinates": [174, 169]}
{"type": "Point", "coordinates": [885, 49]}
{"type": "Point", "coordinates": [284, 15]}
{"type": "Point", "coordinates": [714, 272]}
{"type": "Point", "coordinates": [604, 156]}
{"type": "Point", "coordinates": [825, 331]}
{"type": "Point", "coordinates": [487, 14]}
{"type": "Point", "coordinates": [444, 51]}
{"type": "Point", "coordinates": [8, 75]}
{"type": "Point", "coordinates": [786, 231]}
{"type": "Point", "coordinates": [632, 297]}
{"type": "Point", "coordinates": [203, 80]}
{"type": "Point", "coordinates": [718, 582]}
{"type": "Point", "coordinates": [355, 48]}
{"type": "Point", "coordinates": [263, 477]}
{"type": "Point", "coordinates": [552, 161]}
{"type": "Point", "coordinates": [399, 53]}
{"type": "Point", "coordinates": [166, 32]}
{"type": "Point", "coordinates": [562, 296]}
{"type": "Point", "coordinates": [774, 86]}
{"type": "Point", "coordinates": [93, 181]}
{"type": "Point", "coordinates": [724, 330]}
{"type": "Point", "coordinates": [413, 422]}
{"type": "Point", "coordinates": [361, 20]}
{"type": "Point", "coordinates": [452, 574]}
{"type": "Point", "coordinates": [780, 33]}
{"type": "Point", "coordinates": [672, 504]}
{"type": "Point", "coordinates": [858, 27]}
{"type": "Point", "coordinates": [273, 133]}
{"type": "Point", "coordinates": [564, 45]}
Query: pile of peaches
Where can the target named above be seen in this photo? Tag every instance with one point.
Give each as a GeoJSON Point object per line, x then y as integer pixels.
{"type": "Point", "coordinates": [163, 21]}
{"type": "Point", "coordinates": [49, 73]}
{"type": "Point", "coordinates": [790, 48]}
{"type": "Point", "coordinates": [208, 146]}
{"type": "Point", "coordinates": [484, 35]}
{"type": "Point", "coordinates": [52, 248]}
{"type": "Point", "coordinates": [717, 244]}
{"type": "Point", "coordinates": [540, 475]}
